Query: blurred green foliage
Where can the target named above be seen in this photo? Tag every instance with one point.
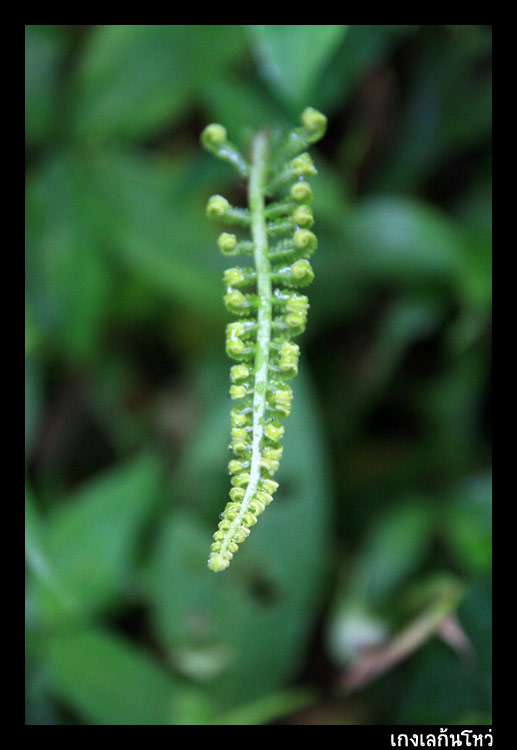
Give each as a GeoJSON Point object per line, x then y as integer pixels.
{"type": "Point", "coordinates": [381, 529]}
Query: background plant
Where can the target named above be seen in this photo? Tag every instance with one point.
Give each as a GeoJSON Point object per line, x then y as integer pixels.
{"type": "Point", "coordinates": [380, 534]}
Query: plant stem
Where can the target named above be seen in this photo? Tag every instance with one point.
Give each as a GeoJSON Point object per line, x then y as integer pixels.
{"type": "Point", "coordinates": [256, 191]}
{"type": "Point", "coordinates": [260, 251]}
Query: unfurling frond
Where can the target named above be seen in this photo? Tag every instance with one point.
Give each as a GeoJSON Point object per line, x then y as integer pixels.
{"type": "Point", "coordinates": [270, 311]}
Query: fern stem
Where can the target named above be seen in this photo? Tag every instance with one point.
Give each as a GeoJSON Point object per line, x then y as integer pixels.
{"type": "Point", "coordinates": [256, 190]}
{"type": "Point", "coordinates": [260, 250]}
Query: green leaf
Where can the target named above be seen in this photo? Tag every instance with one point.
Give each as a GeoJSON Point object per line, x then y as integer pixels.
{"type": "Point", "coordinates": [45, 47]}
{"type": "Point", "coordinates": [364, 48]}
{"type": "Point", "coordinates": [33, 401]}
{"type": "Point", "coordinates": [36, 554]}
{"type": "Point", "coordinates": [108, 680]}
{"type": "Point", "coordinates": [134, 79]}
{"type": "Point", "coordinates": [93, 539]}
{"type": "Point", "coordinates": [257, 618]}
{"type": "Point", "coordinates": [447, 108]}
{"type": "Point", "coordinates": [268, 709]}
{"type": "Point", "coordinates": [396, 544]}
{"type": "Point", "coordinates": [403, 239]}
{"type": "Point", "coordinates": [68, 280]}
{"type": "Point", "coordinates": [292, 57]}
{"type": "Point", "coordinates": [156, 230]}
{"type": "Point", "coordinates": [467, 524]}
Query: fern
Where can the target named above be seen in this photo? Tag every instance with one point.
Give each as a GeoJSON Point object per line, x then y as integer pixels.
{"type": "Point", "coordinates": [270, 311]}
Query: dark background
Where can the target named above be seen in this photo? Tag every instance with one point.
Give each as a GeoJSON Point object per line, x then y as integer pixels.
{"type": "Point", "coordinates": [363, 594]}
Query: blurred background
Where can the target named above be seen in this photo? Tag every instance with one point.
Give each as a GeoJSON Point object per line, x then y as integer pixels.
{"type": "Point", "coordinates": [363, 595]}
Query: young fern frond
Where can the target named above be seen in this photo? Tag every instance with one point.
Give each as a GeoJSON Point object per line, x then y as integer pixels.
{"type": "Point", "coordinates": [270, 311]}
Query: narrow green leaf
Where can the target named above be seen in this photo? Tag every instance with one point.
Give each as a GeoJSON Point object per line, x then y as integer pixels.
{"type": "Point", "coordinates": [292, 57]}
{"type": "Point", "coordinates": [108, 681]}
{"type": "Point", "coordinates": [92, 540]}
